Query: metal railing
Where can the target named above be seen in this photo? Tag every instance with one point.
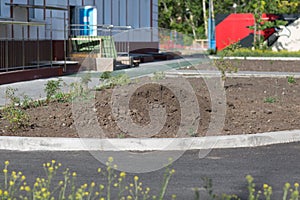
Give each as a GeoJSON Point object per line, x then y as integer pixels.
{"type": "Point", "coordinates": [23, 46]}
{"type": "Point", "coordinates": [105, 40]}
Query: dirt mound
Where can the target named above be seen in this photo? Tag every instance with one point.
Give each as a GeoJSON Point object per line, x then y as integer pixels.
{"type": "Point", "coordinates": [254, 105]}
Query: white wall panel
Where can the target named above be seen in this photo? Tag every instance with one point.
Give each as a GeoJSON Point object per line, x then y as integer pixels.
{"type": "Point", "coordinates": [107, 12]}
{"type": "Point", "coordinates": [122, 14]}
{"type": "Point", "coordinates": [76, 2]}
{"type": "Point", "coordinates": [89, 2]}
{"type": "Point", "coordinates": [145, 13]}
{"type": "Point", "coordinates": [99, 5]}
{"type": "Point", "coordinates": [115, 13]}
{"type": "Point", "coordinates": [5, 10]}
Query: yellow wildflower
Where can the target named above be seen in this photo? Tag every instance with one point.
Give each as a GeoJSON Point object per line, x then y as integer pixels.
{"type": "Point", "coordinates": [265, 186]}
{"type": "Point", "coordinates": [296, 185]}
{"type": "Point", "coordinates": [27, 189]}
{"type": "Point", "coordinates": [110, 159]}
{"type": "Point", "coordinates": [136, 178]}
{"type": "Point", "coordinates": [11, 183]}
{"type": "Point", "coordinates": [6, 162]}
{"type": "Point", "coordinates": [122, 174]}
{"type": "Point", "coordinates": [50, 169]}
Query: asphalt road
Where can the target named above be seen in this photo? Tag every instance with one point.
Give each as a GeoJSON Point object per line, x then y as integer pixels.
{"type": "Point", "coordinates": [227, 168]}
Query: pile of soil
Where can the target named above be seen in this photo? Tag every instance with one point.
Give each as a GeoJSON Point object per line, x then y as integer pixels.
{"type": "Point", "coordinates": [248, 110]}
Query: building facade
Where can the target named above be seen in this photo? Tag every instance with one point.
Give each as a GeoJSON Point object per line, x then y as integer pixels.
{"type": "Point", "coordinates": [23, 23]}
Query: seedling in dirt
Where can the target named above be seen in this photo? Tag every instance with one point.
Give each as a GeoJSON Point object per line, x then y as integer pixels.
{"type": "Point", "coordinates": [270, 100]}
{"type": "Point", "coordinates": [225, 66]}
{"type": "Point", "coordinates": [105, 75]}
{"type": "Point", "coordinates": [52, 88]}
{"type": "Point", "coordinates": [118, 80]}
{"type": "Point", "coordinates": [86, 78]}
{"type": "Point", "coordinates": [158, 76]}
{"type": "Point", "coordinates": [11, 96]}
{"type": "Point", "coordinates": [192, 133]}
{"type": "Point", "coordinates": [291, 79]}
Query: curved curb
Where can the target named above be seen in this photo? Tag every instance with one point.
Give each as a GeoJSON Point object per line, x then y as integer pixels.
{"type": "Point", "coordinates": [146, 144]}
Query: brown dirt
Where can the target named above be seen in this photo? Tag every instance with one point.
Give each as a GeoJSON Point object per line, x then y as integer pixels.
{"type": "Point", "coordinates": [256, 65]}
{"type": "Point", "coordinates": [247, 112]}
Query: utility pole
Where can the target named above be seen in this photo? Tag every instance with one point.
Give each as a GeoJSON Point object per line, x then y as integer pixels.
{"type": "Point", "coordinates": [211, 27]}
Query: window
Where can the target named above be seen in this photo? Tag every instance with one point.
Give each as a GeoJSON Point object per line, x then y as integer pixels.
{"type": "Point", "coordinates": [31, 10]}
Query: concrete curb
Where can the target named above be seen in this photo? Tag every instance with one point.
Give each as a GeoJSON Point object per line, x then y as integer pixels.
{"type": "Point", "coordinates": [147, 144]}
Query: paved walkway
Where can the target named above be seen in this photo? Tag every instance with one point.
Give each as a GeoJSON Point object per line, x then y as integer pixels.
{"type": "Point", "coordinates": [35, 88]}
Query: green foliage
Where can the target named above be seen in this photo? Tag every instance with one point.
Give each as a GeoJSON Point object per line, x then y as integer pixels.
{"type": "Point", "coordinates": [184, 16]}
{"type": "Point", "coordinates": [291, 79]}
{"type": "Point", "coordinates": [225, 66]}
{"type": "Point", "coordinates": [13, 111]}
{"type": "Point", "coordinates": [245, 6]}
{"type": "Point", "coordinates": [187, 16]}
{"type": "Point", "coordinates": [86, 78]}
{"type": "Point", "coordinates": [11, 96]}
{"type": "Point", "coordinates": [187, 40]}
{"type": "Point", "coordinates": [270, 100]}
{"type": "Point", "coordinates": [16, 117]}
{"type": "Point", "coordinates": [158, 76]}
{"type": "Point", "coordinates": [52, 88]}
{"type": "Point", "coordinates": [113, 81]}
{"type": "Point", "coordinates": [67, 188]}
{"type": "Point", "coordinates": [192, 133]}
{"type": "Point", "coordinates": [105, 75]}
{"type": "Point", "coordinates": [245, 52]}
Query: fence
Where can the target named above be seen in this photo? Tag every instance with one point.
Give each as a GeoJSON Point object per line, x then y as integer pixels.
{"type": "Point", "coordinates": [24, 45]}
{"type": "Point", "coordinates": [103, 40]}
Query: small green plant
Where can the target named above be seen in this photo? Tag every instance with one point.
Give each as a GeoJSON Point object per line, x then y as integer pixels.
{"type": "Point", "coordinates": [13, 112]}
{"type": "Point", "coordinates": [225, 66]}
{"type": "Point", "coordinates": [52, 88]}
{"type": "Point", "coordinates": [105, 75]}
{"type": "Point", "coordinates": [291, 79]}
{"type": "Point", "coordinates": [15, 186]}
{"type": "Point", "coordinates": [270, 100]}
{"type": "Point", "coordinates": [158, 76]}
{"type": "Point", "coordinates": [86, 78]}
{"type": "Point", "coordinates": [192, 133]}
{"type": "Point", "coordinates": [11, 96]}
{"type": "Point", "coordinates": [208, 186]}
{"type": "Point", "coordinates": [16, 117]}
{"type": "Point", "coordinates": [113, 81]}
{"type": "Point", "coordinates": [253, 195]}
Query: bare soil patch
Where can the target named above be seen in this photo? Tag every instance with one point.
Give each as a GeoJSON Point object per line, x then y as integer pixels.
{"type": "Point", "coordinates": [247, 102]}
{"type": "Point", "coordinates": [256, 65]}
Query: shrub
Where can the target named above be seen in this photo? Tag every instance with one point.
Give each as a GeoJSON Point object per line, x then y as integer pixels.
{"type": "Point", "coordinates": [52, 88]}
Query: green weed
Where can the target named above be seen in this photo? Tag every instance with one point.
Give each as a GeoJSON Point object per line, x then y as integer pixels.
{"type": "Point", "coordinates": [52, 88]}
{"type": "Point", "coordinates": [291, 79]}
{"type": "Point", "coordinates": [270, 100]}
